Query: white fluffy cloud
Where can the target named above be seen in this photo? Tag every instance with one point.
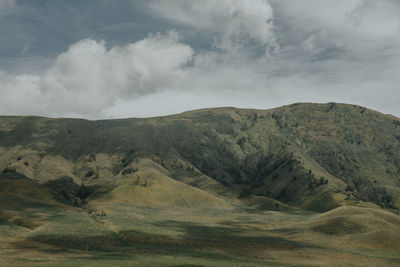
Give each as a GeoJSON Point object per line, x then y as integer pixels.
{"type": "Point", "coordinates": [234, 23]}
{"type": "Point", "coordinates": [18, 94]}
{"type": "Point", "coordinates": [88, 77]}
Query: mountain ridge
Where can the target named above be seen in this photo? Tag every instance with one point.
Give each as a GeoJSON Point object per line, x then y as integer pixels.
{"type": "Point", "coordinates": [284, 153]}
{"type": "Point", "coordinates": [207, 109]}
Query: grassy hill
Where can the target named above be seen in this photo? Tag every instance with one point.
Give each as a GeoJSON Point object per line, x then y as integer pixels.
{"type": "Point", "coordinates": [230, 177]}
{"type": "Point", "coordinates": [291, 154]}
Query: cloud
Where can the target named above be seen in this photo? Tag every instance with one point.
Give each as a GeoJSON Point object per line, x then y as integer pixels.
{"type": "Point", "coordinates": [375, 19]}
{"type": "Point", "coordinates": [5, 5]}
{"type": "Point", "coordinates": [19, 94]}
{"type": "Point", "coordinates": [321, 46]}
{"type": "Point", "coordinates": [343, 51]}
{"type": "Point", "coordinates": [235, 24]}
{"type": "Point", "coordinates": [88, 77]}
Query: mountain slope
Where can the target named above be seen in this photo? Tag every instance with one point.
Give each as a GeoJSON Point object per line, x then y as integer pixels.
{"type": "Point", "coordinates": [306, 184]}
{"type": "Point", "coordinates": [293, 154]}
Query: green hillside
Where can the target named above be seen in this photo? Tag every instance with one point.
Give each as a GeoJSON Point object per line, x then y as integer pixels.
{"type": "Point", "coordinates": [292, 154]}
{"type": "Point", "coordinates": [262, 186]}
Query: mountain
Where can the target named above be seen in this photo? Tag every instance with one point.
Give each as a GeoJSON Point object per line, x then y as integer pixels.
{"type": "Point", "coordinates": [293, 154]}
{"type": "Point", "coordinates": [334, 167]}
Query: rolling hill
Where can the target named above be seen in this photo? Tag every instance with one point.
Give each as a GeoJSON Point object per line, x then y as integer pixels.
{"type": "Point", "coordinates": [299, 179]}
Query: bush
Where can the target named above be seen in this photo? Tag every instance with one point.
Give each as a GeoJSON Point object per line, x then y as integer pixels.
{"type": "Point", "coordinates": [128, 171]}
{"type": "Point", "coordinates": [9, 170]}
{"type": "Point", "coordinates": [90, 173]}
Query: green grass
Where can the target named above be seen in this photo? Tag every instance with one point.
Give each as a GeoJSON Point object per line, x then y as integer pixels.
{"type": "Point", "coordinates": [280, 153]}
{"type": "Point", "coordinates": [169, 236]}
{"type": "Point", "coordinates": [214, 187]}
{"type": "Point", "coordinates": [140, 236]}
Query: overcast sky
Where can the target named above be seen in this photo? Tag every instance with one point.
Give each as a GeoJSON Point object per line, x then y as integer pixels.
{"type": "Point", "coordinates": [130, 58]}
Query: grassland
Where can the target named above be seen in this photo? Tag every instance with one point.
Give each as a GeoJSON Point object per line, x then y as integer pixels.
{"type": "Point", "coordinates": [301, 185]}
{"type": "Point", "coordinates": [153, 236]}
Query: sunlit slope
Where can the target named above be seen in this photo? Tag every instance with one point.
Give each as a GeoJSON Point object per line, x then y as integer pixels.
{"type": "Point", "coordinates": [351, 227]}
{"type": "Point", "coordinates": [341, 154]}
{"type": "Point", "coordinates": [151, 186]}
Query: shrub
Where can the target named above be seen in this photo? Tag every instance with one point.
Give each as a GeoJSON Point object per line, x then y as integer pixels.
{"type": "Point", "coordinates": [9, 170]}
{"type": "Point", "coordinates": [90, 173]}
{"type": "Point", "coordinates": [128, 171]}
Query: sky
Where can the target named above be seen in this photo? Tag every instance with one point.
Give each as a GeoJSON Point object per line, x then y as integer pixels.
{"type": "Point", "coordinates": [100, 59]}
